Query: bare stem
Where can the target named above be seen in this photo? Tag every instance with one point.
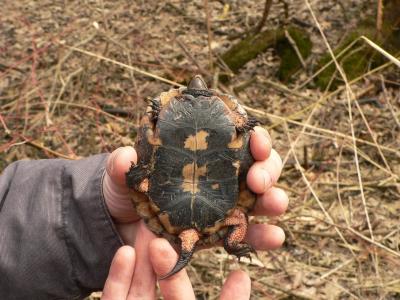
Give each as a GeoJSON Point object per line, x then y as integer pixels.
{"type": "Point", "coordinates": [260, 25]}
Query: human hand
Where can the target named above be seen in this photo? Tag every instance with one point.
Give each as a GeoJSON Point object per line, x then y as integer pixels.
{"type": "Point", "coordinates": [162, 256]}
{"type": "Point", "coordinates": [263, 174]}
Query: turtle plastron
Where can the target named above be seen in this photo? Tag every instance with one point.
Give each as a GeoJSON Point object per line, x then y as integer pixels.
{"type": "Point", "coordinates": [193, 156]}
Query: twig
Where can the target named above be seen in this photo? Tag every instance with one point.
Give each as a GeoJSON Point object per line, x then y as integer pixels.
{"type": "Point", "coordinates": [334, 270]}
{"type": "Point", "coordinates": [393, 59]}
{"type": "Point", "coordinates": [307, 182]}
{"type": "Point", "coordinates": [379, 245]}
{"type": "Point", "coordinates": [55, 153]}
{"type": "Point", "coordinates": [350, 96]}
{"type": "Point", "coordinates": [396, 119]}
{"type": "Point", "coordinates": [292, 42]}
{"type": "Point", "coordinates": [8, 132]}
{"type": "Point", "coordinates": [379, 17]}
{"type": "Point", "coordinates": [267, 8]}
{"type": "Point", "coordinates": [338, 186]}
{"type": "Point", "coordinates": [209, 35]}
{"type": "Point", "coordinates": [124, 65]}
{"type": "Point", "coordinates": [327, 131]}
{"type": "Point", "coordinates": [188, 54]}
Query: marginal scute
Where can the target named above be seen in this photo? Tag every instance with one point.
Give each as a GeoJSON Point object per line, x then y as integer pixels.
{"type": "Point", "coordinates": [139, 197]}
{"type": "Point", "coordinates": [237, 142]}
{"type": "Point", "coordinates": [164, 219]}
{"type": "Point", "coordinates": [144, 186]}
{"type": "Point", "coordinates": [154, 207]}
{"type": "Point", "coordinates": [165, 97]}
{"type": "Point", "coordinates": [145, 120]}
{"type": "Point", "coordinates": [152, 138]}
{"type": "Point", "coordinates": [246, 197]}
{"type": "Point", "coordinates": [155, 225]}
{"type": "Point", "coordinates": [144, 210]}
{"type": "Point", "coordinates": [229, 101]}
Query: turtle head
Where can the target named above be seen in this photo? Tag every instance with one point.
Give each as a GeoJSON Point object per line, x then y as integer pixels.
{"type": "Point", "coordinates": [197, 83]}
{"type": "Point", "coordinates": [198, 87]}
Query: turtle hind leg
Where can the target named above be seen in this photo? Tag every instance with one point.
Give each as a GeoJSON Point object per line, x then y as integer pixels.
{"type": "Point", "coordinates": [233, 242]}
{"type": "Point", "coordinates": [189, 238]}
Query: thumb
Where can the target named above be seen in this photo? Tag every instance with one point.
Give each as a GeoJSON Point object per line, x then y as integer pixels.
{"type": "Point", "coordinates": [116, 193]}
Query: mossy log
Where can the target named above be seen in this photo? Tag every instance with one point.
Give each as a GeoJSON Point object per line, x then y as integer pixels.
{"type": "Point", "coordinates": [251, 46]}
{"type": "Point", "coordinates": [361, 57]}
{"type": "Point", "coordinates": [290, 61]}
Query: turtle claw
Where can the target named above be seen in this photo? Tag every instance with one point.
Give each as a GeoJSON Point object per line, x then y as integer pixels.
{"type": "Point", "coordinates": [155, 106]}
{"type": "Point", "coordinates": [241, 250]}
{"type": "Point", "coordinates": [135, 176]}
{"type": "Point", "coordinates": [189, 238]}
{"type": "Point", "coordinates": [184, 258]}
{"type": "Point", "coordinates": [249, 125]}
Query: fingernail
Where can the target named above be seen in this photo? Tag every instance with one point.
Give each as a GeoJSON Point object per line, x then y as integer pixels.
{"type": "Point", "coordinates": [114, 155]}
{"type": "Point", "coordinates": [264, 133]}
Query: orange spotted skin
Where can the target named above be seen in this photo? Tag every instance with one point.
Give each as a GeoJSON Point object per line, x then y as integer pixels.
{"type": "Point", "coordinates": [233, 243]}
{"type": "Point", "coordinates": [189, 238]}
{"type": "Point", "coordinates": [193, 157]}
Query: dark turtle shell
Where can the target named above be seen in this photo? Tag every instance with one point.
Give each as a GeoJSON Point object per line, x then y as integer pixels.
{"type": "Point", "coordinates": [196, 167]}
{"type": "Point", "coordinates": [193, 150]}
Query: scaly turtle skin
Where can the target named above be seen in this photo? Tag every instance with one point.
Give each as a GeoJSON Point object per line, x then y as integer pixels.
{"type": "Point", "coordinates": [189, 183]}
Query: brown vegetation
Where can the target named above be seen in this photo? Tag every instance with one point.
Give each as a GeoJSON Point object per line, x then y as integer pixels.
{"type": "Point", "coordinates": [75, 76]}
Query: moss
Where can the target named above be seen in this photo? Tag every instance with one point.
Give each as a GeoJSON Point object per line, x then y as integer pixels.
{"type": "Point", "coordinates": [362, 57]}
{"type": "Point", "coordinates": [247, 49]}
{"type": "Point", "coordinates": [290, 62]}
{"type": "Point", "coordinates": [391, 25]}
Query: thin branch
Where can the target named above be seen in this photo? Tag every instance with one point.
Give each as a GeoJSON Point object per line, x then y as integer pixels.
{"type": "Point", "coordinates": [209, 35]}
{"type": "Point", "coordinates": [350, 96]}
{"type": "Point", "coordinates": [379, 17]}
{"type": "Point", "coordinates": [267, 8]}
{"type": "Point", "coordinates": [124, 65]}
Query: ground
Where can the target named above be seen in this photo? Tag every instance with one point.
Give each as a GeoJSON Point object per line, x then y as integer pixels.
{"type": "Point", "coordinates": [75, 77]}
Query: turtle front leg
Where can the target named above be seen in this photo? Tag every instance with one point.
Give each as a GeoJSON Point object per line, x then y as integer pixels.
{"type": "Point", "coordinates": [137, 178]}
{"type": "Point", "coordinates": [233, 242]}
{"type": "Point", "coordinates": [189, 238]}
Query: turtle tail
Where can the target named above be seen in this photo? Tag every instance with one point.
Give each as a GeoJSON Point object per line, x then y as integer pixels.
{"type": "Point", "coordinates": [189, 238]}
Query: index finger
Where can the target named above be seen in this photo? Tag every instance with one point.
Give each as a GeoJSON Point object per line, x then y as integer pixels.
{"type": "Point", "coordinates": [237, 286]}
{"type": "Point", "coordinates": [260, 144]}
{"type": "Point", "coordinates": [163, 257]}
{"type": "Point", "coordinates": [120, 275]}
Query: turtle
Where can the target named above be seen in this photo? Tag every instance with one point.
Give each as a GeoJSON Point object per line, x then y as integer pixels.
{"type": "Point", "coordinates": [189, 183]}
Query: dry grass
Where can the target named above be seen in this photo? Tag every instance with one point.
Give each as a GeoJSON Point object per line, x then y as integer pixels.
{"type": "Point", "coordinates": [74, 80]}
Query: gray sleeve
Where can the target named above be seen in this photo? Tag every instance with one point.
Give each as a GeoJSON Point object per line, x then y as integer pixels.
{"type": "Point", "coordinates": [57, 239]}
